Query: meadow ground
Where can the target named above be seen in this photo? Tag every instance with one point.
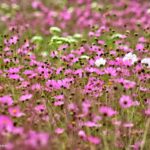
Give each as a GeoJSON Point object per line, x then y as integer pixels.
{"type": "Point", "coordinates": [74, 75]}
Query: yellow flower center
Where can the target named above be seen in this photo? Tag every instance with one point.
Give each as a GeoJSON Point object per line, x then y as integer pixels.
{"type": "Point", "coordinates": [14, 111]}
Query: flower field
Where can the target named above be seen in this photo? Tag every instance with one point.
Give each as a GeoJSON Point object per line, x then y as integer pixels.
{"type": "Point", "coordinates": [75, 75]}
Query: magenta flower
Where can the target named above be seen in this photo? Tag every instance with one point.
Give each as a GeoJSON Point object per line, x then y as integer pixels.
{"type": "Point", "coordinates": [111, 71]}
{"type": "Point", "coordinates": [147, 112]}
{"type": "Point", "coordinates": [39, 108]}
{"type": "Point", "coordinates": [90, 124]}
{"type": "Point", "coordinates": [36, 139]}
{"type": "Point", "coordinates": [59, 130]}
{"type": "Point", "coordinates": [15, 77]}
{"type": "Point", "coordinates": [129, 84]}
{"type": "Point", "coordinates": [15, 111]}
{"type": "Point", "coordinates": [82, 134]}
{"type": "Point", "coordinates": [125, 101]}
{"type": "Point", "coordinates": [94, 140]}
{"type": "Point", "coordinates": [107, 111]}
{"type": "Point", "coordinates": [25, 97]}
{"type": "Point", "coordinates": [5, 123]}
{"type": "Point", "coordinates": [6, 100]}
{"type": "Point", "coordinates": [13, 70]}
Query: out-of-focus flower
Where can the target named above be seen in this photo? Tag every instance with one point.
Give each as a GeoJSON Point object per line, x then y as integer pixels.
{"type": "Point", "coordinates": [100, 61]}
{"type": "Point", "coordinates": [6, 123]}
{"type": "Point", "coordinates": [15, 111]}
{"type": "Point", "coordinates": [107, 111]}
{"type": "Point", "coordinates": [125, 101]}
{"type": "Point", "coordinates": [94, 140]}
{"type": "Point", "coordinates": [6, 100]}
{"type": "Point", "coordinates": [130, 57]}
{"type": "Point", "coordinates": [146, 61]}
{"type": "Point", "coordinates": [25, 97]}
{"type": "Point", "coordinates": [59, 130]}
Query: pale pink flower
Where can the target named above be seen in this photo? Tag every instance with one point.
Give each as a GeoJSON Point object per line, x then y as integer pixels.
{"type": "Point", "coordinates": [6, 100]}
{"type": "Point", "coordinates": [25, 97]}
{"type": "Point", "coordinates": [94, 140]}
{"type": "Point", "coordinates": [107, 111]}
{"type": "Point", "coordinates": [15, 111]}
{"type": "Point", "coordinates": [125, 101]}
{"type": "Point", "coordinates": [6, 123]}
{"type": "Point", "coordinates": [59, 130]}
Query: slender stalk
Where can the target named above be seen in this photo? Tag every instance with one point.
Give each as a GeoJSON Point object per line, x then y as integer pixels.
{"type": "Point", "coordinates": [145, 134]}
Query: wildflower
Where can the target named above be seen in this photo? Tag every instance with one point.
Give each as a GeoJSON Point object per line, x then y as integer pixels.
{"type": "Point", "coordinates": [84, 57]}
{"type": "Point", "coordinates": [82, 134]}
{"type": "Point", "coordinates": [128, 84]}
{"type": "Point", "coordinates": [130, 58]}
{"type": "Point", "coordinates": [125, 101]}
{"type": "Point", "coordinates": [36, 86]}
{"type": "Point", "coordinates": [111, 71]}
{"type": "Point", "coordinates": [15, 111]}
{"type": "Point", "coordinates": [25, 97]}
{"type": "Point", "coordinates": [100, 61]}
{"type": "Point", "coordinates": [107, 111]}
{"type": "Point", "coordinates": [59, 130]}
{"type": "Point", "coordinates": [140, 46]}
{"type": "Point", "coordinates": [36, 139]}
{"type": "Point", "coordinates": [6, 100]}
{"type": "Point", "coordinates": [128, 125]}
{"type": "Point", "coordinates": [39, 108]}
{"type": "Point", "coordinates": [147, 111]}
{"type": "Point", "coordinates": [94, 140]}
{"type": "Point", "coordinates": [58, 103]}
{"type": "Point", "coordinates": [146, 61]}
{"type": "Point", "coordinates": [90, 124]}
{"type": "Point", "coordinates": [55, 30]}
{"type": "Point", "coordinates": [5, 123]}
{"type": "Point", "coordinates": [15, 77]}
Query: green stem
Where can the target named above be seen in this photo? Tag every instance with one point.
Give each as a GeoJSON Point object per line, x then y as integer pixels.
{"type": "Point", "coordinates": [145, 134]}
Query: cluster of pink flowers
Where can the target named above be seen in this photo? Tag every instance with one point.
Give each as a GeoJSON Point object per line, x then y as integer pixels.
{"type": "Point", "coordinates": [83, 86]}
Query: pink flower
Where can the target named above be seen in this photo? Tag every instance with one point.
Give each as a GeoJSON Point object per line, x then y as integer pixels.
{"type": "Point", "coordinates": [125, 101]}
{"type": "Point", "coordinates": [147, 112]}
{"type": "Point", "coordinates": [13, 70]}
{"type": "Point", "coordinates": [25, 97]}
{"type": "Point", "coordinates": [94, 140]}
{"type": "Point", "coordinates": [15, 77]}
{"type": "Point", "coordinates": [36, 86]}
{"type": "Point", "coordinates": [129, 84]}
{"type": "Point", "coordinates": [82, 134]}
{"type": "Point", "coordinates": [107, 111]}
{"type": "Point", "coordinates": [91, 124]}
{"type": "Point", "coordinates": [136, 145]}
{"type": "Point", "coordinates": [111, 71]}
{"type": "Point", "coordinates": [58, 103]}
{"type": "Point", "coordinates": [128, 125]}
{"type": "Point", "coordinates": [139, 46]}
{"type": "Point", "coordinates": [59, 97]}
{"type": "Point", "coordinates": [15, 111]}
{"type": "Point", "coordinates": [6, 100]}
{"type": "Point", "coordinates": [72, 107]}
{"type": "Point", "coordinates": [6, 123]}
{"type": "Point", "coordinates": [18, 130]}
{"type": "Point", "coordinates": [37, 139]}
{"type": "Point", "coordinates": [59, 130]}
{"type": "Point", "coordinates": [39, 108]}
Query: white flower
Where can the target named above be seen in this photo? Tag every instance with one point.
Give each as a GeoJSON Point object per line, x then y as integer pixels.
{"type": "Point", "coordinates": [100, 61]}
{"type": "Point", "coordinates": [148, 11]}
{"type": "Point", "coordinates": [146, 61]}
{"type": "Point", "coordinates": [117, 35]}
{"type": "Point", "coordinates": [84, 57]}
{"type": "Point", "coordinates": [130, 57]}
{"type": "Point", "coordinates": [44, 53]}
